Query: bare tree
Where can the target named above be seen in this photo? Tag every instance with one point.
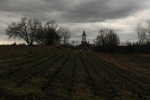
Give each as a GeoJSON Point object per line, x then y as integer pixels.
{"type": "Point", "coordinates": [143, 33]}
{"type": "Point", "coordinates": [49, 34]}
{"type": "Point", "coordinates": [107, 39]}
{"type": "Point", "coordinates": [100, 39]}
{"type": "Point", "coordinates": [65, 35]}
{"type": "Point", "coordinates": [25, 29]}
{"type": "Point", "coordinates": [112, 39]}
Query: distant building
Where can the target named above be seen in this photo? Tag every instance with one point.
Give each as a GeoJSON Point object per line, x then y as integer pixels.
{"type": "Point", "coordinates": [84, 44]}
{"type": "Point", "coordinates": [83, 38]}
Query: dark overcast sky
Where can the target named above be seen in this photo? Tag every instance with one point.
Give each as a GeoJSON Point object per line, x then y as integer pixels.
{"type": "Point", "coordinates": [91, 15]}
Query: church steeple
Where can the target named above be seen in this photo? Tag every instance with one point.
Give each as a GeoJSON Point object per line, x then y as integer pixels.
{"type": "Point", "coordinates": [83, 33]}
{"type": "Point", "coordinates": [83, 37]}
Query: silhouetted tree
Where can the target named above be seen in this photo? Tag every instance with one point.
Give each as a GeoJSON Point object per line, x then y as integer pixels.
{"type": "Point", "coordinates": [107, 39]}
{"type": "Point", "coordinates": [49, 34]}
{"type": "Point", "coordinates": [14, 43]}
{"type": "Point", "coordinates": [25, 29]}
{"type": "Point", "coordinates": [143, 33]}
{"type": "Point", "coordinates": [65, 35]}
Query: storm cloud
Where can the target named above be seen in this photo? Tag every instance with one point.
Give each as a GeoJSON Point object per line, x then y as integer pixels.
{"type": "Point", "coordinates": [91, 15]}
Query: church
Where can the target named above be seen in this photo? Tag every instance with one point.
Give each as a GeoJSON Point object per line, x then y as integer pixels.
{"type": "Point", "coordinates": [84, 44]}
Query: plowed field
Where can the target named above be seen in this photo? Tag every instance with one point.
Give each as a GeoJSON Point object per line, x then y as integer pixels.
{"type": "Point", "coordinates": [44, 72]}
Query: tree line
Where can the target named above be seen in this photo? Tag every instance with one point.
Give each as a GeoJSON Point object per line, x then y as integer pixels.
{"type": "Point", "coordinates": [32, 31]}
{"type": "Point", "coordinates": [108, 41]}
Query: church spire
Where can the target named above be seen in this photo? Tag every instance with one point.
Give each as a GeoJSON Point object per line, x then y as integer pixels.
{"type": "Point", "coordinates": [83, 37]}
{"type": "Point", "coordinates": [83, 33]}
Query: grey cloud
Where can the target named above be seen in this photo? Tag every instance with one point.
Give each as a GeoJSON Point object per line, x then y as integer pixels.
{"type": "Point", "coordinates": [75, 14]}
{"type": "Point", "coordinates": [94, 11]}
{"type": "Point", "coordinates": [73, 10]}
